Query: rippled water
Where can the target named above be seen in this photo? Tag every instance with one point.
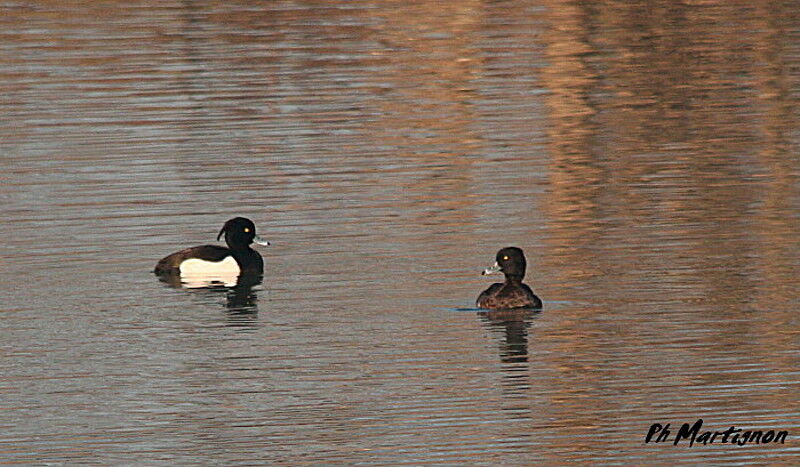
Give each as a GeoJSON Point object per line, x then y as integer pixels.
{"type": "Point", "coordinates": [644, 155]}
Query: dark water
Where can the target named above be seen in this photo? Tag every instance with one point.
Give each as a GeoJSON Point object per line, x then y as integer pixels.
{"type": "Point", "coordinates": [644, 154]}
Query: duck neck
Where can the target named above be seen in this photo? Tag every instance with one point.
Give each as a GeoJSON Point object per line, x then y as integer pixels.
{"type": "Point", "coordinates": [239, 250]}
{"type": "Point", "coordinates": [514, 278]}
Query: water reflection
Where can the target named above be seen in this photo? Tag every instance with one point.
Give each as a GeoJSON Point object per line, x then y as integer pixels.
{"type": "Point", "coordinates": [241, 298]}
{"type": "Point", "coordinates": [513, 326]}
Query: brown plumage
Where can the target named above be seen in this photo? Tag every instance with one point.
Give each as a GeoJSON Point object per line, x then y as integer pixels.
{"type": "Point", "coordinates": [172, 263]}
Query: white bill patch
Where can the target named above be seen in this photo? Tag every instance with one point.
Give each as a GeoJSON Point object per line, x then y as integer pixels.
{"type": "Point", "coordinates": [197, 271]}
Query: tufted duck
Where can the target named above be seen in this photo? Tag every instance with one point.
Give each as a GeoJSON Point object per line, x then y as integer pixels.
{"type": "Point", "coordinates": [512, 293]}
{"type": "Point", "coordinates": [214, 261]}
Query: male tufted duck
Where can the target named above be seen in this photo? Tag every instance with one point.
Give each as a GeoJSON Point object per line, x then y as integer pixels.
{"type": "Point", "coordinates": [216, 261]}
{"type": "Point", "coordinates": [512, 293]}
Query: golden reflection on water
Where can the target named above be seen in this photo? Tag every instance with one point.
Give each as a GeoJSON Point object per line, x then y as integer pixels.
{"type": "Point", "coordinates": [663, 174]}
{"type": "Point", "coordinates": [644, 154]}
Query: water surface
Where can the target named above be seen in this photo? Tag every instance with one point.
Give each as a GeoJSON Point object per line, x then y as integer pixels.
{"type": "Point", "coordinates": [644, 155]}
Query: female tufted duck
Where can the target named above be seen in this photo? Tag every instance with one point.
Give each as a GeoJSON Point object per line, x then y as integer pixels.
{"type": "Point", "coordinates": [512, 293]}
{"type": "Point", "coordinates": [217, 261]}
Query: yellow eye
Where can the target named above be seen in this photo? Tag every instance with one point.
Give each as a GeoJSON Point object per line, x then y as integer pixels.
{"type": "Point", "coordinates": [505, 258]}
{"type": "Point", "coordinates": [247, 229]}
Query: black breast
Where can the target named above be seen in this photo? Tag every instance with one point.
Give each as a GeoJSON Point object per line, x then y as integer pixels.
{"type": "Point", "coordinates": [249, 260]}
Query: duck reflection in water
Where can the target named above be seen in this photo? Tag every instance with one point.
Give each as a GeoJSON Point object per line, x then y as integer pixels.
{"type": "Point", "coordinates": [241, 298]}
{"type": "Point", "coordinates": [513, 325]}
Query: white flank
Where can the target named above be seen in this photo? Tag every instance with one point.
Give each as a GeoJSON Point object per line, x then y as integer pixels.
{"type": "Point", "coordinates": [197, 272]}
